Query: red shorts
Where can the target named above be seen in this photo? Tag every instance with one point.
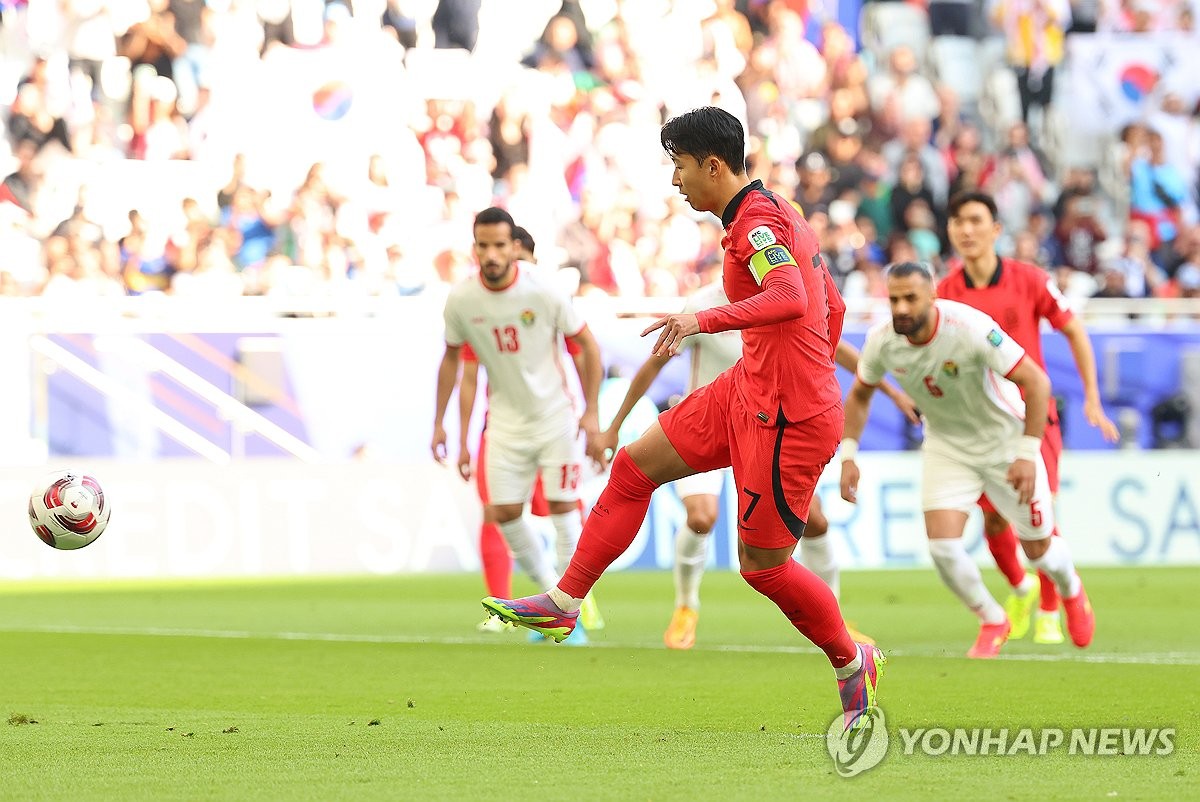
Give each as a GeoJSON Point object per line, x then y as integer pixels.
{"type": "Point", "coordinates": [776, 468]}
{"type": "Point", "coordinates": [1052, 448]}
{"type": "Point", "coordinates": [537, 505]}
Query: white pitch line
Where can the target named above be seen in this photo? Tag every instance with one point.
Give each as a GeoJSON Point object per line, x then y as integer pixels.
{"type": "Point", "coordinates": [506, 639]}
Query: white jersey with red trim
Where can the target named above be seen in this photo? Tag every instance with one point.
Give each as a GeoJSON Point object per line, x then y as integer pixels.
{"type": "Point", "coordinates": [515, 334]}
{"type": "Point", "coordinates": [712, 354]}
{"type": "Point", "coordinates": [957, 379]}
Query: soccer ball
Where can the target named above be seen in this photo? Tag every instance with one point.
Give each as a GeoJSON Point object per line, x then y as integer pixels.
{"type": "Point", "coordinates": [68, 510]}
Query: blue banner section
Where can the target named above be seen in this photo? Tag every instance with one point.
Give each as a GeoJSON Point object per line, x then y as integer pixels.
{"type": "Point", "coordinates": [343, 389]}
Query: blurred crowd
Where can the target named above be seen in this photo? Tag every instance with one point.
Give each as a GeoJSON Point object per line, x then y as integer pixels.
{"type": "Point", "coordinates": [855, 120]}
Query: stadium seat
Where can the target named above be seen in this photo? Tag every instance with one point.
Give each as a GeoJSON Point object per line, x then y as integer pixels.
{"type": "Point", "coordinates": [954, 61]}
{"type": "Point", "coordinates": [886, 25]}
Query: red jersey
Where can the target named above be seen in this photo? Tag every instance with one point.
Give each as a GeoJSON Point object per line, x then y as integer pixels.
{"type": "Point", "coordinates": [1018, 297]}
{"type": "Point", "coordinates": [786, 305]}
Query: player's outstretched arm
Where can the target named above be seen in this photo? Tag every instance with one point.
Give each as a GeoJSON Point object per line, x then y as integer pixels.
{"type": "Point", "coordinates": [468, 388]}
{"type": "Point", "coordinates": [1035, 386]}
{"type": "Point", "coordinates": [846, 355]}
{"type": "Point", "coordinates": [1085, 361]}
{"type": "Point", "coordinates": [858, 404]}
{"type": "Point", "coordinates": [781, 298]}
{"type": "Point", "coordinates": [447, 378]}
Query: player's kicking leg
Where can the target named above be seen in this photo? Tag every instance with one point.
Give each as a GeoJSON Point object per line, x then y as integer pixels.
{"type": "Point", "coordinates": [637, 470]}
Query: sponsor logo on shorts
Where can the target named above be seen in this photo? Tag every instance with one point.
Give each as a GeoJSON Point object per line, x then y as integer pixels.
{"type": "Point", "coordinates": [995, 338]}
{"type": "Point", "coordinates": [760, 238]}
{"type": "Point", "coordinates": [777, 255]}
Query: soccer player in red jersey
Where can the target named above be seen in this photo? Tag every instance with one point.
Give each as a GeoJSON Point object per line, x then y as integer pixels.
{"type": "Point", "coordinates": [775, 416]}
{"type": "Point", "coordinates": [1019, 296]}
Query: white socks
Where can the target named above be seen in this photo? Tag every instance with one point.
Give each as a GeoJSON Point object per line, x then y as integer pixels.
{"type": "Point", "coordinates": [527, 550]}
{"type": "Point", "coordinates": [691, 554]}
{"type": "Point", "coordinates": [1026, 585]}
{"type": "Point", "coordinates": [568, 604]}
{"type": "Point", "coordinates": [848, 670]}
{"type": "Point", "coordinates": [816, 554]}
{"type": "Point", "coordinates": [1058, 565]}
{"type": "Point", "coordinates": [568, 526]}
{"type": "Point", "coordinates": [962, 576]}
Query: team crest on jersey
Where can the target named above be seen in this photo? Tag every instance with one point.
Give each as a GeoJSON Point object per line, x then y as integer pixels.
{"type": "Point", "coordinates": [950, 368]}
{"type": "Point", "coordinates": [995, 338]}
{"type": "Point", "coordinates": [527, 317]}
{"type": "Point", "coordinates": [760, 238]}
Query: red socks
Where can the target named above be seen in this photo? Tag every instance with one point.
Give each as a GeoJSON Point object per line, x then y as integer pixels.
{"type": "Point", "coordinates": [610, 527]}
{"type": "Point", "coordinates": [497, 562]}
{"type": "Point", "coordinates": [809, 604]}
{"type": "Point", "coordinates": [1004, 549]}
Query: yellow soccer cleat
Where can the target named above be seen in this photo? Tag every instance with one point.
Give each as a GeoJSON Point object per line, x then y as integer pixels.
{"type": "Point", "coordinates": [1019, 609]}
{"type": "Point", "coordinates": [589, 614]}
{"type": "Point", "coordinates": [1047, 628]}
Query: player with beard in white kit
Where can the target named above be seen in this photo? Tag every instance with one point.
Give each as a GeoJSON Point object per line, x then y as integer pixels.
{"type": "Point", "coordinates": [968, 377]}
{"type": "Point", "coordinates": [513, 319]}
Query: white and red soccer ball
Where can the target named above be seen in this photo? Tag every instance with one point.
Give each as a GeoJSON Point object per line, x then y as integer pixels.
{"type": "Point", "coordinates": [68, 510]}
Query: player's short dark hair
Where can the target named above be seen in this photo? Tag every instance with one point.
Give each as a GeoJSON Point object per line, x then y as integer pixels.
{"type": "Point", "coordinates": [706, 131]}
{"type": "Point", "coordinates": [523, 238]}
{"type": "Point", "coordinates": [961, 199]}
{"type": "Point", "coordinates": [906, 269]}
{"type": "Point", "coordinates": [494, 215]}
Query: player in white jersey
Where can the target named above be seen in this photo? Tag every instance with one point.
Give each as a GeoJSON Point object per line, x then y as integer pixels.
{"type": "Point", "coordinates": [712, 355]}
{"type": "Point", "coordinates": [968, 376]}
{"type": "Point", "coordinates": [513, 320]}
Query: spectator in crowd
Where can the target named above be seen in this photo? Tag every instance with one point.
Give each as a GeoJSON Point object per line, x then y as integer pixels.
{"type": "Point", "coordinates": [869, 144]}
{"type": "Point", "coordinates": [902, 94]}
{"type": "Point", "coordinates": [1034, 31]}
{"type": "Point", "coordinates": [1078, 233]}
{"type": "Point", "coordinates": [1158, 193]}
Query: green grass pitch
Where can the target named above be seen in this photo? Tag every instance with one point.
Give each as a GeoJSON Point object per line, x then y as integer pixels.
{"type": "Point", "coordinates": [380, 688]}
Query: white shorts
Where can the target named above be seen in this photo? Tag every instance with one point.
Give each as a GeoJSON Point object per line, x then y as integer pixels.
{"type": "Point", "coordinates": [951, 484]}
{"type": "Point", "coordinates": [709, 483]}
{"type": "Point", "coordinates": [512, 463]}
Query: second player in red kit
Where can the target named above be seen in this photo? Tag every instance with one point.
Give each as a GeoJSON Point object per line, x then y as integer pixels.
{"type": "Point", "coordinates": [1019, 296]}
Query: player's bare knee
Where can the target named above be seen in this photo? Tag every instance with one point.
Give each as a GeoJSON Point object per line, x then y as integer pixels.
{"type": "Point", "coordinates": [751, 558]}
{"type": "Point", "coordinates": [562, 507]}
{"type": "Point", "coordinates": [503, 513]}
{"type": "Point", "coordinates": [818, 524]}
{"type": "Point", "coordinates": [701, 513]}
{"type": "Point", "coordinates": [1035, 549]}
{"type": "Point", "coordinates": [994, 524]}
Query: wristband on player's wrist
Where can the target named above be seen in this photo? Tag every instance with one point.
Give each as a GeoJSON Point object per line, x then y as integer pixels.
{"type": "Point", "coordinates": [849, 449]}
{"type": "Point", "coordinates": [1029, 448]}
